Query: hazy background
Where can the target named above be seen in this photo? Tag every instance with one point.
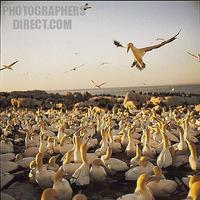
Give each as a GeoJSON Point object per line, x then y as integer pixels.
{"type": "Point", "coordinates": [45, 54]}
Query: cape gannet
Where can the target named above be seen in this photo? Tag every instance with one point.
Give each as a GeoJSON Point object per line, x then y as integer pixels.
{"type": "Point", "coordinates": [138, 53]}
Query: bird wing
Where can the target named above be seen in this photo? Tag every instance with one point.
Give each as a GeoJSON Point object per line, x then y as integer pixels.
{"type": "Point", "coordinates": [69, 70]}
{"type": "Point", "coordinates": [79, 66]}
{"type": "Point", "coordinates": [102, 84]}
{"type": "Point", "coordinates": [192, 54]}
{"type": "Point", "coordinates": [92, 81]}
{"type": "Point", "coordinates": [13, 63]}
{"type": "Point", "coordinates": [118, 44]}
{"type": "Point", "coordinates": [146, 49]}
{"type": "Point", "coordinates": [3, 68]}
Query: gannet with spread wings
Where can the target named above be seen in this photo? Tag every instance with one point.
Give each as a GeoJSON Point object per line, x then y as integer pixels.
{"type": "Point", "coordinates": [99, 85]}
{"type": "Point", "coordinates": [9, 66]}
{"type": "Point", "coordinates": [138, 53]}
{"type": "Point", "coordinates": [196, 56]}
{"type": "Point", "coordinates": [74, 69]}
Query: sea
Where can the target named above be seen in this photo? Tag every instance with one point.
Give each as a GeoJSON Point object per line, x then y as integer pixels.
{"type": "Point", "coordinates": [121, 91]}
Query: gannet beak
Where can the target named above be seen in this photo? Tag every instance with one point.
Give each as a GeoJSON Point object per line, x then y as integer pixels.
{"type": "Point", "coordinates": [128, 48]}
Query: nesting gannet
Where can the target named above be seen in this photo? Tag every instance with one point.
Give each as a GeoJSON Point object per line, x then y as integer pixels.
{"type": "Point", "coordinates": [81, 175]}
{"type": "Point", "coordinates": [138, 53]}
{"type": "Point", "coordinates": [97, 171]}
{"type": "Point", "coordinates": [142, 192]}
{"type": "Point", "coordinates": [144, 167]}
{"type": "Point", "coordinates": [52, 163]}
{"type": "Point", "coordinates": [43, 176]}
{"type": "Point", "coordinates": [98, 85]}
{"type": "Point", "coordinates": [62, 186]}
{"type": "Point", "coordinates": [165, 158]}
{"type": "Point", "coordinates": [9, 66]}
{"type": "Point", "coordinates": [68, 167]}
{"type": "Point", "coordinates": [135, 160]}
{"type": "Point", "coordinates": [163, 187]}
{"type": "Point", "coordinates": [196, 56]}
{"type": "Point", "coordinates": [194, 160]}
{"type": "Point", "coordinates": [113, 164]}
{"type": "Point", "coordinates": [75, 68]}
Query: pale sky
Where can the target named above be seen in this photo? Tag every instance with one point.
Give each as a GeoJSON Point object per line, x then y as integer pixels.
{"type": "Point", "coordinates": [44, 55]}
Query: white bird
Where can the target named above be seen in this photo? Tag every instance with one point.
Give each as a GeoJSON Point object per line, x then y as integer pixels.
{"type": "Point", "coordinates": [81, 175]}
{"type": "Point", "coordinates": [162, 187]}
{"type": "Point", "coordinates": [142, 192]}
{"type": "Point", "coordinates": [9, 66]}
{"type": "Point", "coordinates": [138, 53]}
{"type": "Point", "coordinates": [74, 68]}
{"type": "Point", "coordinates": [97, 171]}
{"type": "Point", "coordinates": [113, 164]}
{"type": "Point", "coordinates": [103, 63]}
{"type": "Point", "coordinates": [98, 85]}
{"type": "Point", "coordinates": [196, 56]}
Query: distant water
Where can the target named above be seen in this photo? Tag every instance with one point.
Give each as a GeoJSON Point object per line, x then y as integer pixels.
{"type": "Point", "coordinates": [121, 91]}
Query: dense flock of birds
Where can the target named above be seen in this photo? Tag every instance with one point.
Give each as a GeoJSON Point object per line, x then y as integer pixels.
{"type": "Point", "coordinates": [82, 146]}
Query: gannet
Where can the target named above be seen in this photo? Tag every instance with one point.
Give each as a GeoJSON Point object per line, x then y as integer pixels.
{"type": "Point", "coordinates": [99, 85]}
{"type": "Point", "coordinates": [86, 6]}
{"type": "Point", "coordinates": [138, 53]}
{"type": "Point", "coordinates": [9, 66]}
{"type": "Point", "coordinates": [74, 69]}
{"type": "Point", "coordinates": [196, 56]}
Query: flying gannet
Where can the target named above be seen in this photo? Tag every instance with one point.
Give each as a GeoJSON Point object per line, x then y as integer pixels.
{"type": "Point", "coordinates": [138, 53]}
{"type": "Point", "coordinates": [99, 85]}
{"type": "Point", "coordinates": [9, 66]}
{"type": "Point", "coordinates": [196, 56]}
{"type": "Point", "coordinates": [86, 6]}
{"type": "Point", "coordinates": [103, 63]}
{"type": "Point", "coordinates": [74, 69]}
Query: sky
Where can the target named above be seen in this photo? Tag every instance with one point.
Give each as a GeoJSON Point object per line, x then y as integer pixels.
{"type": "Point", "coordinates": [44, 55]}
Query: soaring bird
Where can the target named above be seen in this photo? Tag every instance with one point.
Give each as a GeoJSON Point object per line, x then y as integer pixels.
{"type": "Point", "coordinates": [86, 6]}
{"type": "Point", "coordinates": [99, 85]}
{"type": "Point", "coordinates": [138, 53]}
{"type": "Point", "coordinates": [74, 69]}
{"type": "Point", "coordinates": [196, 56]}
{"type": "Point", "coordinates": [9, 66]}
{"type": "Point", "coordinates": [103, 63]}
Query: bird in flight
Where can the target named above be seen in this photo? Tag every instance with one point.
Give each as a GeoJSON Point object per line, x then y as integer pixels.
{"type": "Point", "coordinates": [138, 53]}
{"type": "Point", "coordinates": [86, 6]}
{"type": "Point", "coordinates": [74, 69]}
{"type": "Point", "coordinates": [196, 56]}
{"type": "Point", "coordinates": [9, 66]}
{"type": "Point", "coordinates": [103, 63]}
{"type": "Point", "coordinates": [99, 85]}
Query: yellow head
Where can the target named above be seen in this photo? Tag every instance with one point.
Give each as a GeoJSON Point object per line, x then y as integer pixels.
{"type": "Point", "coordinates": [141, 182]}
{"type": "Point", "coordinates": [39, 160]}
{"type": "Point", "coordinates": [130, 45]}
{"type": "Point", "coordinates": [79, 197]}
{"type": "Point", "coordinates": [68, 157]}
{"type": "Point", "coordinates": [98, 162]}
{"type": "Point", "coordinates": [49, 194]}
